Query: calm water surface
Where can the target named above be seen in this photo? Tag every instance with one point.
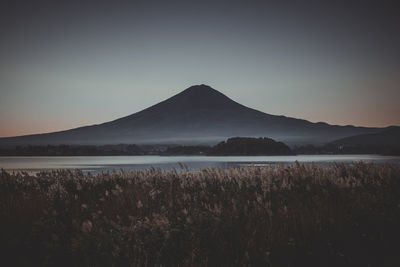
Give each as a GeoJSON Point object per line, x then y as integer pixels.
{"type": "Point", "coordinates": [107, 163]}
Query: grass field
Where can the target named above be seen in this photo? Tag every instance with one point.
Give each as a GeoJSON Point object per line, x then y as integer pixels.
{"type": "Point", "coordinates": [301, 215]}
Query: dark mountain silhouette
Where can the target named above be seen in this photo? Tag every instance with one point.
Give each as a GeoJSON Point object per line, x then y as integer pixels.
{"type": "Point", "coordinates": [386, 142]}
{"type": "Point", "coordinates": [390, 137]}
{"type": "Point", "coordinates": [197, 115]}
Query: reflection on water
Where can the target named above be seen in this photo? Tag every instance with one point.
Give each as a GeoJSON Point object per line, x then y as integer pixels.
{"type": "Point", "coordinates": [106, 163]}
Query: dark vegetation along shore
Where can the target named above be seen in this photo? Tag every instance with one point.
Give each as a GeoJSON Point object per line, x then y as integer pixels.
{"type": "Point", "coordinates": [236, 146]}
{"type": "Point", "coordinates": [301, 215]}
{"type": "Point", "coordinates": [233, 146]}
{"type": "Point", "coordinates": [83, 150]}
{"type": "Point", "coordinates": [250, 147]}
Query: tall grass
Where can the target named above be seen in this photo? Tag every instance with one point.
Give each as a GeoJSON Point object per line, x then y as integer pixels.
{"type": "Point", "coordinates": [301, 215]}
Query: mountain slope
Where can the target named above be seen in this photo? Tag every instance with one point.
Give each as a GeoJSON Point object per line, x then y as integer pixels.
{"type": "Point", "coordinates": [390, 137]}
{"type": "Point", "coordinates": [199, 114]}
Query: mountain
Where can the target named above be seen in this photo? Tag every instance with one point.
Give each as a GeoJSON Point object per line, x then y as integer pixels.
{"type": "Point", "coordinates": [390, 137]}
{"type": "Point", "coordinates": [386, 142]}
{"type": "Point", "coordinates": [197, 115]}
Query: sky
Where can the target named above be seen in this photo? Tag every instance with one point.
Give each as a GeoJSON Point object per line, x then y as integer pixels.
{"type": "Point", "coordinates": [70, 64]}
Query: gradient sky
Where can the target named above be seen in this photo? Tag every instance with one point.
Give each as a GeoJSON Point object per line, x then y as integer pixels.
{"type": "Point", "coordinates": [64, 65]}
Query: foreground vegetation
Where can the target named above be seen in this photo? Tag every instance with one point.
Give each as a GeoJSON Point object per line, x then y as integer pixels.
{"type": "Point", "coordinates": [301, 215]}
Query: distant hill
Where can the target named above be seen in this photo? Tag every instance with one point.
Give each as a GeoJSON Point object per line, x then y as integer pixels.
{"type": "Point", "coordinates": [250, 147]}
{"type": "Point", "coordinates": [386, 142]}
{"type": "Point", "coordinates": [197, 115]}
{"type": "Point", "coordinates": [389, 137]}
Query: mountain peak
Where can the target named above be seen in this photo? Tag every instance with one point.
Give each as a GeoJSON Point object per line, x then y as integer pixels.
{"type": "Point", "coordinates": [200, 88]}
{"type": "Point", "coordinates": [202, 96]}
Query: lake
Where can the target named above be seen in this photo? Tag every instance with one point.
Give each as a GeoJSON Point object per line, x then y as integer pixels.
{"type": "Point", "coordinates": [97, 164]}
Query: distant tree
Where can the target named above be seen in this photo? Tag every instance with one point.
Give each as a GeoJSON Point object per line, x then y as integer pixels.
{"type": "Point", "coordinates": [250, 147]}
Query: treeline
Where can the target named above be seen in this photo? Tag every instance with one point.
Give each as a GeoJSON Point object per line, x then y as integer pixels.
{"type": "Point", "coordinates": [187, 150]}
{"type": "Point", "coordinates": [345, 149]}
{"type": "Point", "coordinates": [81, 150]}
{"type": "Point", "coordinates": [237, 146]}
{"type": "Point", "coordinates": [266, 146]}
{"type": "Point", "coordinates": [233, 146]}
{"type": "Point", "coordinates": [240, 146]}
